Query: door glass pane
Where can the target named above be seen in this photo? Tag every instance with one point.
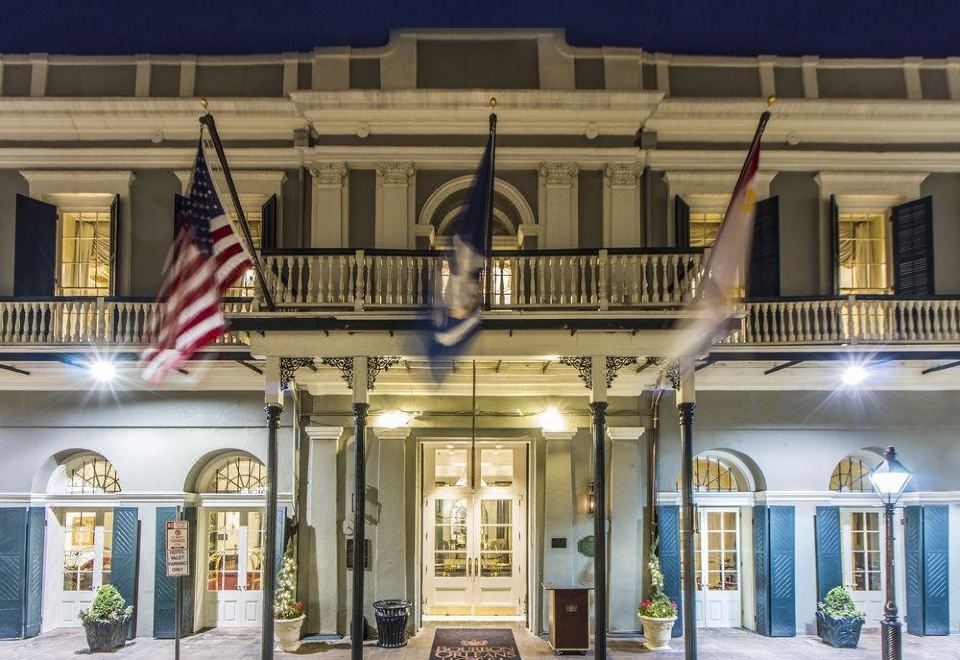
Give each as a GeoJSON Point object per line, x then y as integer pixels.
{"type": "Point", "coordinates": [496, 467]}
{"type": "Point", "coordinates": [78, 550]}
{"type": "Point", "coordinates": [223, 551]}
{"type": "Point", "coordinates": [496, 533]}
{"type": "Point", "coordinates": [450, 537]}
{"type": "Point", "coordinates": [107, 546]}
{"type": "Point", "coordinates": [254, 561]}
{"type": "Point", "coordinates": [450, 467]}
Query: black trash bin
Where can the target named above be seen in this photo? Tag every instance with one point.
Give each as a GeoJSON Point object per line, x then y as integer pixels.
{"type": "Point", "coordinates": [392, 618]}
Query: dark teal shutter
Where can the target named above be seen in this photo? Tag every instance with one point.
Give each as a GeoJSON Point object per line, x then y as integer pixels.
{"type": "Point", "coordinates": [126, 558]}
{"type": "Point", "coordinates": [681, 220]}
{"type": "Point", "coordinates": [13, 542]}
{"type": "Point", "coordinates": [187, 583]}
{"type": "Point", "coordinates": [33, 590]}
{"type": "Point", "coordinates": [835, 248]}
{"type": "Point", "coordinates": [927, 568]}
{"type": "Point", "coordinates": [115, 236]}
{"type": "Point", "coordinates": [164, 588]}
{"type": "Point", "coordinates": [35, 249]}
{"type": "Point", "coordinates": [829, 567]}
{"type": "Point", "coordinates": [763, 276]}
{"type": "Point", "coordinates": [913, 561]}
{"type": "Point", "coordinates": [668, 526]}
{"type": "Point", "coordinates": [913, 248]}
{"type": "Point", "coordinates": [761, 563]}
{"type": "Point", "coordinates": [783, 611]}
{"type": "Point", "coordinates": [268, 224]}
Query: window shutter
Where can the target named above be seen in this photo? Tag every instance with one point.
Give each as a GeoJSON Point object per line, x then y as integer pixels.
{"type": "Point", "coordinates": [782, 584]}
{"type": "Point", "coordinates": [829, 567]}
{"type": "Point", "coordinates": [13, 540]}
{"type": "Point", "coordinates": [681, 220]}
{"type": "Point", "coordinates": [126, 555]}
{"type": "Point", "coordinates": [164, 588]}
{"type": "Point", "coordinates": [35, 249]}
{"type": "Point", "coordinates": [913, 248]}
{"type": "Point", "coordinates": [188, 583]}
{"type": "Point", "coordinates": [761, 569]}
{"type": "Point", "coordinates": [268, 227]}
{"type": "Point", "coordinates": [179, 206]}
{"type": "Point", "coordinates": [835, 246]}
{"type": "Point", "coordinates": [115, 239]}
{"type": "Point", "coordinates": [913, 561]}
{"type": "Point", "coordinates": [927, 569]}
{"type": "Point", "coordinates": [668, 525]}
{"type": "Point", "coordinates": [764, 274]}
{"type": "Point", "coordinates": [33, 589]}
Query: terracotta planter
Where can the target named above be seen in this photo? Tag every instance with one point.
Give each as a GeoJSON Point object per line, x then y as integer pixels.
{"type": "Point", "coordinates": [287, 633]}
{"type": "Point", "coordinates": [656, 631]}
{"type": "Point", "coordinates": [106, 634]}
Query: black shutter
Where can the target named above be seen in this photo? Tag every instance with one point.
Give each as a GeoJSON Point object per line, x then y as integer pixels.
{"type": "Point", "coordinates": [681, 219]}
{"type": "Point", "coordinates": [913, 248]}
{"type": "Point", "coordinates": [35, 249]}
{"type": "Point", "coordinates": [179, 206]}
{"type": "Point", "coordinates": [763, 278]}
{"type": "Point", "coordinates": [115, 236]}
{"type": "Point", "coordinates": [835, 245]}
{"type": "Point", "coordinates": [268, 226]}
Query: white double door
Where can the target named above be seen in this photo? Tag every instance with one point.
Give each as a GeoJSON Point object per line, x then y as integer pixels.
{"type": "Point", "coordinates": [85, 562]}
{"type": "Point", "coordinates": [233, 595]}
{"type": "Point", "coordinates": [863, 560]}
{"type": "Point", "coordinates": [717, 565]}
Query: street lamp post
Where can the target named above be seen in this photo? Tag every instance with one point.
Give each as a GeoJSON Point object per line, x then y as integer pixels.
{"type": "Point", "coordinates": [889, 480]}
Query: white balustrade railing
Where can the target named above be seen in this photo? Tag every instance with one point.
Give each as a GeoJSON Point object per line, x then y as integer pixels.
{"type": "Point", "coordinates": [89, 321]}
{"type": "Point", "coordinates": [848, 320]}
{"type": "Point", "coordinates": [560, 279]}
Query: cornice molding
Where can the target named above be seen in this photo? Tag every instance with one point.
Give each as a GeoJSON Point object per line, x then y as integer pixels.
{"type": "Point", "coordinates": [323, 432]}
{"type": "Point", "coordinates": [905, 185]}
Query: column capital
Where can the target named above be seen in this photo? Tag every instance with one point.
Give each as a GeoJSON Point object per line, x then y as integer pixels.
{"type": "Point", "coordinates": [323, 432]}
{"type": "Point", "coordinates": [625, 432]}
{"type": "Point", "coordinates": [559, 435]}
{"type": "Point", "coordinates": [558, 174]}
{"type": "Point", "coordinates": [396, 173]}
{"type": "Point", "coordinates": [400, 433]}
{"type": "Point", "coordinates": [623, 174]}
{"type": "Point", "coordinates": [328, 173]}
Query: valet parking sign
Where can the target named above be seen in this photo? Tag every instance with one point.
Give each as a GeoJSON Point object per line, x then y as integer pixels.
{"type": "Point", "coordinates": [178, 544]}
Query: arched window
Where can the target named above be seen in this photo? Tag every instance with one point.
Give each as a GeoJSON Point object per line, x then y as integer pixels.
{"type": "Point", "coordinates": [91, 475]}
{"type": "Point", "coordinates": [238, 474]}
{"type": "Point", "coordinates": [851, 475]}
{"type": "Point", "coordinates": [712, 474]}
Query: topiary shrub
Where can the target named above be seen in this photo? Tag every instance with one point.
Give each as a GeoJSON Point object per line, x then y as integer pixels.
{"type": "Point", "coordinates": [108, 605]}
{"type": "Point", "coordinates": [839, 605]}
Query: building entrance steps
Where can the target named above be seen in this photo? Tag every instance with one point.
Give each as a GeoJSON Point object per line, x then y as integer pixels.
{"type": "Point", "coordinates": [714, 644]}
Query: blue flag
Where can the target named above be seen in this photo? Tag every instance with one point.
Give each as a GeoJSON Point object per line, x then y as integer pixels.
{"type": "Point", "coordinates": [456, 310]}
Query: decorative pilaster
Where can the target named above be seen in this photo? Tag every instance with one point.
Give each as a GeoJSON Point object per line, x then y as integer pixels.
{"type": "Point", "coordinates": [558, 205]}
{"type": "Point", "coordinates": [322, 571]}
{"type": "Point", "coordinates": [329, 217]}
{"type": "Point", "coordinates": [621, 205]}
{"type": "Point", "coordinates": [395, 204]}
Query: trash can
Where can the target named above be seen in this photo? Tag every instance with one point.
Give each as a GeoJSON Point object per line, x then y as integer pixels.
{"type": "Point", "coordinates": [392, 618]}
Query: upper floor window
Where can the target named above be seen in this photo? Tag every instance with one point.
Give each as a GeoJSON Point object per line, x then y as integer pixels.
{"type": "Point", "coordinates": [704, 226]}
{"type": "Point", "coordinates": [85, 263]}
{"type": "Point", "coordinates": [863, 253]}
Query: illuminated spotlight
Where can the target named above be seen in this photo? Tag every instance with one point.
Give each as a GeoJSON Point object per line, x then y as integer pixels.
{"type": "Point", "coordinates": [393, 419]}
{"type": "Point", "coordinates": [552, 421]}
{"type": "Point", "coordinates": [102, 370]}
{"type": "Point", "coordinates": [854, 374]}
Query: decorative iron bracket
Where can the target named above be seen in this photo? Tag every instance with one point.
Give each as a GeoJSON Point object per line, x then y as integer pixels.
{"type": "Point", "coordinates": [289, 366]}
{"type": "Point", "coordinates": [583, 366]}
{"type": "Point", "coordinates": [375, 365]}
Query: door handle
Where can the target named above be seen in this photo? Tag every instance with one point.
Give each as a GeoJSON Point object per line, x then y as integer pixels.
{"type": "Point", "coordinates": [477, 569]}
{"type": "Point", "coordinates": [469, 567]}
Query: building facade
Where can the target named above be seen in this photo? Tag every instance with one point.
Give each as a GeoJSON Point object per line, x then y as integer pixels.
{"type": "Point", "coordinates": [613, 170]}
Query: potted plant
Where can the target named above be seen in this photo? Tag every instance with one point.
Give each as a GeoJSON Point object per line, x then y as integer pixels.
{"type": "Point", "coordinates": [838, 619]}
{"type": "Point", "coordinates": [658, 612]}
{"type": "Point", "coordinates": [288, 612]}
{"type": "Point", "coordinates": [107, 620]}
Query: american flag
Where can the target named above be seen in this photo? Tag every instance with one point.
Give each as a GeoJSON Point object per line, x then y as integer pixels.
{"type": "Point", "coordinates": [205, 260]}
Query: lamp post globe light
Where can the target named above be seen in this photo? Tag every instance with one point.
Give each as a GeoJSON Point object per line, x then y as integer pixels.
{"type": "Point", "coordinates": [889, 480]}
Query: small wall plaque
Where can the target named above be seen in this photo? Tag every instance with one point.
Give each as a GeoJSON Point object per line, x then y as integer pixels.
{"type": "Point", "coordinates": [366, 554]}
{"type": "Point", "coordinates": [558, 542]}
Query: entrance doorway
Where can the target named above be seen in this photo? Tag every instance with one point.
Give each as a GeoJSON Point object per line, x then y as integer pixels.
{"type": "Point", "coordinates": [717, 565]}
{"type": "Point", "coordinates": [87, 552]}
{"type": "Point", "coordinates": [863, 557]}
{"type": "Point", "coordinates": [474, 549]}
{"type": "Point", "coordinates": [233, 593]}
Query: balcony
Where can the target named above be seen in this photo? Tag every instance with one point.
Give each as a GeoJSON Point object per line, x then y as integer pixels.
{"type": "Point", "coordinates": [391, 287]}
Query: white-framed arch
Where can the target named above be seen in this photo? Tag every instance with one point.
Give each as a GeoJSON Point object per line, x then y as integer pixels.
{"type": "Point", "coordinates": [849, 474]}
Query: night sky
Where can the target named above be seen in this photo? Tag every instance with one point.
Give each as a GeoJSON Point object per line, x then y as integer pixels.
{"type": "Point", "coordinates": [831, 28]}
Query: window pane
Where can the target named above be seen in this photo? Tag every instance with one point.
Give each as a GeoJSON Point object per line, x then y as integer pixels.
{"type": "Point", "coordinates": [496, 467]}
{"type": "Point", "coordinates": [451, 467]}
{"type": "Point", "coordinates": [85, 253]}
{"type": "Point", "coordinates": [874, 581]}
{"type": "Point", "coordinates": [450, 564]}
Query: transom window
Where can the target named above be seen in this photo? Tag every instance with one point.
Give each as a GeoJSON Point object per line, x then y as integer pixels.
{"type": "Point", "coordinates": [704, 226]}
{"type": "Point", "coordinates": [713, 474]}
{"type": "Point", "coordinates": [851, 476]}
{"type": "Point", "coordinates": [862, 253]}
{"type": "Point", "coordinates": [85, 252]}
{"type": "Point", "coordinates": [92, 475]}
{"type": "Point", "coordinates": [238, 474]}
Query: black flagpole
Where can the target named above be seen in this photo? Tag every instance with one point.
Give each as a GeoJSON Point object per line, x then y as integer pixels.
{"type": "Point", "coordinates": [488, 233]}
{"type": "Point", "coordinates": [207, 120]}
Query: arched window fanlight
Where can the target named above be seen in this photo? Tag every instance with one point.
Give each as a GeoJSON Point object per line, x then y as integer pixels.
{"type": "Point", "coordinates": [91, 475]}
{"type": "Point", "coordinates": [851, 476]}
{"type": "Point", "coordinates": [714, 475]}
{"type": "Point", "coordinates": [238, 474]}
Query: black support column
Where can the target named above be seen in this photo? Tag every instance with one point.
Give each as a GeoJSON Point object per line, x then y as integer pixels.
{"type": "Point", "coordinates": [360, 407]}
{"type": "Point", "coordinates": [272, 410]}
{"type": "Point", "coordinates": [685, 408]}
{"type": "Point", "coordinates": [599, 409]}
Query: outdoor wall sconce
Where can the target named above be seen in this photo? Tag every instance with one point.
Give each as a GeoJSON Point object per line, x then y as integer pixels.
{"type": "Point", "coordinates": [591, 497]}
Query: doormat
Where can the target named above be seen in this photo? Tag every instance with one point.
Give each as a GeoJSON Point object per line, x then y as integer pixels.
{"type": "Point", "coordinates": [474, 644]}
